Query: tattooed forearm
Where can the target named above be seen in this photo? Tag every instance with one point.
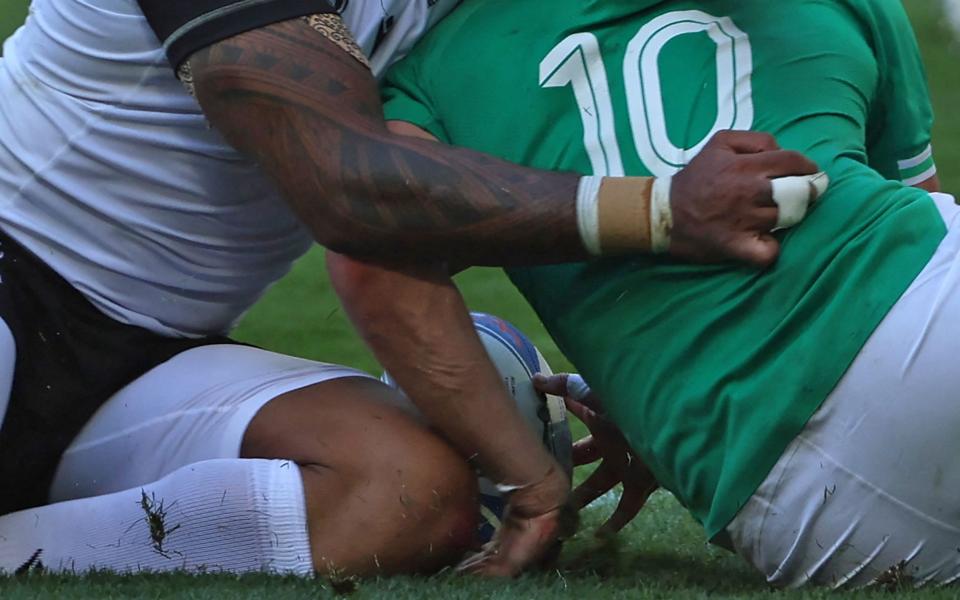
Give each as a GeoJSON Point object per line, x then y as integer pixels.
{"type": "Point", "coordinates": [310, 115]}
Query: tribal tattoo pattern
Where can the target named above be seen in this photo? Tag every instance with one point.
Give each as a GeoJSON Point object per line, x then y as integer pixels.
{"type": "Point", "coordinates": [309, 113]}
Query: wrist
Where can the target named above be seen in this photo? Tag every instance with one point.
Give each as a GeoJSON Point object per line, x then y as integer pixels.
{"type": "Point", "coordinates": [512, 471]}
{"type": "Point", "coordinates": [547, 491]}
{"type": "Point", "coordinates": [618, 215]}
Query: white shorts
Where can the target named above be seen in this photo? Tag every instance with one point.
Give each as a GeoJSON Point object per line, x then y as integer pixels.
{"type": "Point", "coordinates": [194, 407]}
{"type": "Point", "coordinates": [870, 490]}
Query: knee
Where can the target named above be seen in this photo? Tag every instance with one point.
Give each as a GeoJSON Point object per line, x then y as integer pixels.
{"type": "Point", "coordinates": [406, 508]}
{"type": "Point", "coordinates": [376, 467]}
{"type": "Point", "coordinates": [417, 480]}
{"type": "Point", "coordinates": [437, 488]}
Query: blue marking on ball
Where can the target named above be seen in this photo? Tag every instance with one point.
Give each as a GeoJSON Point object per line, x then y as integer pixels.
{"type": "Point", "coordinates": [511, 337]}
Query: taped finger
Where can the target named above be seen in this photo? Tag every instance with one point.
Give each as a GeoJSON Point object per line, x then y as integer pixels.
{"type": "Point", "coordinates": [577, 388]}
{"type": "Point", "coordinates": [794, 195]}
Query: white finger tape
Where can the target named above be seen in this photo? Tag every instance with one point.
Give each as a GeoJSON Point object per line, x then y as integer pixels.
{"type": "Point", "coordinates": [794, 195]}
{"type": "Point", "coordinates": [577, 388]}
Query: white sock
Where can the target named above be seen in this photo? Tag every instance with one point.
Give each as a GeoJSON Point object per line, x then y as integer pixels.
{"type": "Point", "coordinates": [233, 515]}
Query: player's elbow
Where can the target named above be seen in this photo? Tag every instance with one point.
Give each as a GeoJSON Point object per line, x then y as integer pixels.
{"type": "Point", "coordinates": [359, 285]}
{"type": "Point", "coordinates": [369, 216]}
{"type": "Point", "coordinates": [382, 298]}
{"type": "Point", "coordinates": [343, 235]}
{"type": "Point", "coordinates": [342, 217]}
{"type": "Point", "coordinates": [375, 298]}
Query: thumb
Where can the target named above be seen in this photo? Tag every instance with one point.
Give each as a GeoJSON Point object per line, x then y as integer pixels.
{"type": "Point", "coordinates": [555, 385]}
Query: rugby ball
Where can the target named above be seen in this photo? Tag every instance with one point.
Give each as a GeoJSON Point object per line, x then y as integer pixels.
{"type": "Point", "coordinates": [517, 360]}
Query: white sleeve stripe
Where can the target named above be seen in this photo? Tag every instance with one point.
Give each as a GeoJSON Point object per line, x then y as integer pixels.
{"type": "Point", "coordinates": [921, 177]}
{"type": "Point", "coordinates": [916, 160]}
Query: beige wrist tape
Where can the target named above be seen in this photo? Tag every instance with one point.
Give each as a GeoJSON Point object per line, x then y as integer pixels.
{"type": "Point", "coordinates": [618, 215]}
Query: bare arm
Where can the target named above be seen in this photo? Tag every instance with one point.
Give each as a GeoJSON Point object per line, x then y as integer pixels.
{"type": "Point", "coordinates": [417, 325]}
{"type": "Point", "coordinates": [931, 185]}
{"type": "Point", "coordinates": [310, 115]}
{"type": "Point", "coordinates": [424, 336]}
{"type": "Point", "coordinates": [415, 320]}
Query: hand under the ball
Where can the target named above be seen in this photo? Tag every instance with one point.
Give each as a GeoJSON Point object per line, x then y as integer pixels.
{"type": "Point", "coordinates": [537, 519]}
{"type": "Point", "coordinates": [618, 462]}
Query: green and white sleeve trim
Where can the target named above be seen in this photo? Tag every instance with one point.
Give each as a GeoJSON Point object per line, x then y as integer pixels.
{"type": "Point", "coordinates": [919, 168]}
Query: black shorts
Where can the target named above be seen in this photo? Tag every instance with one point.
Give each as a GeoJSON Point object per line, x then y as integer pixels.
{"type": "Point", "coordinates": [71, 358]}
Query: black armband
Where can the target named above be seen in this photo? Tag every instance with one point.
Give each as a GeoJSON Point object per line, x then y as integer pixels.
{"type": "Point", "coordinates": [185, 26]}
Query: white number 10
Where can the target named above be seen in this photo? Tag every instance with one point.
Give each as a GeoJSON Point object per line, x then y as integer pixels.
{"type": "Point", "coordinates": [577, 61]}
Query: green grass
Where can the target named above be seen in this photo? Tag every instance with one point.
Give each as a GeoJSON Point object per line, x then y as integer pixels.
{"type": "Point", "coordinates": [662, 554]}
{"type": "Point", "coordinates": [941, 53]}
{"type": "Point", "coordinates": [12, 13]}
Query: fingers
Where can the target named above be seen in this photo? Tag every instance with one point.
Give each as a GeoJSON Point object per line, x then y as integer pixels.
{"type": "Point", "coordinates": [578, 389]}
{"type": "Point", "coordinates": [766, 217]}
{"type": "Point", "coordinates": [586, 451]}
{"type": "Point", "coordinates": [601, 481]}
{"type": "Point", "coordinates": [565, 384]}
{"type": "Point", "coordinates": [633, 499]}
{"type": "Point", "coordinates": [582, 412]}
{"type": "Point", "coordinates": [555, 385]}
{"type": "Point", "coordinates": [723, 204]}
{"type": "Point", "coordinates": [486, 563]}
{"type": "Point", "coordinates": [628, 508]}
{"type": "Point", "coordinates": [760, 250]}
{"type": "Point", "coordinates": [779, 163]}
{"type": "Point", "coordinates": [520, 541]}
{"type": "Point", "coordinates": [745, 142]}
{"type": "Point", "coordinates": [794, 195]}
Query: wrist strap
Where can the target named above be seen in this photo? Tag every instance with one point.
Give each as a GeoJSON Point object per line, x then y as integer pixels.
{"type": "Point", "coordinates": [588, 218]}
{"type": "Point", "coordinates": [661, 215]}
{"type": "Point", "coordinates": [618, 215]}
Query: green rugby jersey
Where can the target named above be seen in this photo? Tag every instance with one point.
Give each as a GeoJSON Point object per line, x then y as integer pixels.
{"type": "Point", "coordinates": [710, 370]}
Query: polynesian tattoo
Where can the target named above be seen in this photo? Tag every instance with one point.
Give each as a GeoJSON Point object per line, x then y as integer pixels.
{"type": "Point", "coordinates": [309, 112]}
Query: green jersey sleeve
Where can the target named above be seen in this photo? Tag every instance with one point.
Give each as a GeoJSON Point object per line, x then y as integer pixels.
{"type": "Point", "coordinates": [898, 140]}
{"type": "Point", "coordinates": [406, 97]}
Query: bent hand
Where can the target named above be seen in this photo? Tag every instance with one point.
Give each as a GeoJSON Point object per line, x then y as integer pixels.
{"type": "Point", "coordinates": [618, 462]}
{"type": "Point", "coordinates": [537, 519]}
{"type": "Point", "coordinates": [723, 203]}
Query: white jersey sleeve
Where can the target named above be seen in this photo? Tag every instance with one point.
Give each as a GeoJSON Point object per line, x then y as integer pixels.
{"type": "Point", "coordinates": [111, 174]}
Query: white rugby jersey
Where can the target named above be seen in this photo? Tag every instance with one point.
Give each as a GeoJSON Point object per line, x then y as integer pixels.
{"type": "Point", "coordinates": [110, 173]}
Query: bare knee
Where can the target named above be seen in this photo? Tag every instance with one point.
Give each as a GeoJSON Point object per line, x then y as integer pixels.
{"type": "Point", "coordinates": [384, 494]}
{"type": "Point", "coordinates": [411, 507]}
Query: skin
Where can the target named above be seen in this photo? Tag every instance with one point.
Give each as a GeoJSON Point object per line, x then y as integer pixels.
{"type": "Point", "coordinates": [362, 284]}
{"type": "Point", "coordinates": [310, 115]}
{"type": "Point", "coordinates": [368, 465]}
{"type": "Point", "coordinates": [425, 335]}
{"type": "Point", "coordinates": [606, 445]}
{"type": "Point", "coordinates": [931, 185]}
{"type": "Point", "coordinates": [313, 120]}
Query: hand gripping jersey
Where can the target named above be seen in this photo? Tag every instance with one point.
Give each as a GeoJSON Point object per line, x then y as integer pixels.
{"type": "Point", "coordinates": [110, 173]}
{"type": "Point", "coordinates": [711, 371]}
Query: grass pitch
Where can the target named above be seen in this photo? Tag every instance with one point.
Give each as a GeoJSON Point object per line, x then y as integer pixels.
{"type": "Point", "coordinates": [663, 554]}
